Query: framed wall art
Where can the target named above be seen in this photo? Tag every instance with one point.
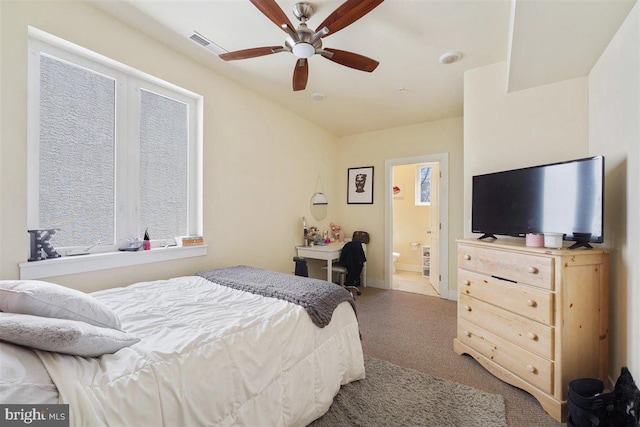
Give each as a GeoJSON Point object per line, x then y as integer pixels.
{"type": "Point", "coordinates": [360, 185]}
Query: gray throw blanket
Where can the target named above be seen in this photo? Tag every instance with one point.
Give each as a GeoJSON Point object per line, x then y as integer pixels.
{"type": "Point", "coordinates": [318, 297]}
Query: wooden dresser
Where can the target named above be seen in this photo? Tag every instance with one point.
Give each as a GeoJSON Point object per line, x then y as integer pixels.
{"type": "Point", "coordinates": [534, 317]}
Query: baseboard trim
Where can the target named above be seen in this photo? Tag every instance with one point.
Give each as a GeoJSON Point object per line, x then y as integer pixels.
{"type": "Point", "coordinates": [408, 267]}
{"type": "Point", "coordinates": [375, 283]}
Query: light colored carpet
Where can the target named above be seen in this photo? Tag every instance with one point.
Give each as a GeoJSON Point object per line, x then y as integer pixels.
{"type": "Point", "coordinates": [417, 331]}
{"type": "Point", "coordinates": [394, 396]}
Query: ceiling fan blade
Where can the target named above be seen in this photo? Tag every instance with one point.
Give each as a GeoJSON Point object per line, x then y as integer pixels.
{"type": "Point", "coordinates": [250, 53]}
{"type": "Point", "coordinates": [300, 74]}
{"type": "Point", "coordinates": [352, 60]}
{"type": "Point", "coordinates": [271, 10]}
{"type": "Point", "coordinates": [348, 13]}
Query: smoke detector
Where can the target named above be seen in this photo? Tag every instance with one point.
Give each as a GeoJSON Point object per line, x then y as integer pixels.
{"type": "Point", "coordinates": [450, 57]}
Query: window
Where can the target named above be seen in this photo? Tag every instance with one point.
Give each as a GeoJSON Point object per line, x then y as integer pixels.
{"type": "Point", "coordinates": [76, 187]}
{"type": "Point", "coordinates": [423, 185]}
{"type": "Point", "coordinates": [112, 151]}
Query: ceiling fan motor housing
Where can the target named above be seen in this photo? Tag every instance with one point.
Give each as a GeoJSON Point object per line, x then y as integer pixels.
{"type": "Point", "coordinates": [303, 11]}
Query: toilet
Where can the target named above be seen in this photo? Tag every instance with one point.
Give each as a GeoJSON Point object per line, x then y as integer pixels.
{"type": "Point", "coordinates": [396, 255]}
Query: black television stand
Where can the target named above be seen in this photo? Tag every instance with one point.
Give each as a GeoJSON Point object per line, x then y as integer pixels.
{"type": "Point", "coordinates": [581, 244]}
{"type": "Point", "coordinates": [487, 236]}
{"type": "Point", "coordinates": [582, 241]}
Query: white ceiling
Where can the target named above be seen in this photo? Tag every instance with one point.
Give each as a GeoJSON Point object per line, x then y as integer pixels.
{"type": "Point", "coordinates": [544, 41]}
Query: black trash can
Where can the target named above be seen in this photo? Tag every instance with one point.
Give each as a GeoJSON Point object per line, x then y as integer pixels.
{"type": "Point", "coordinates": [588, 405]}
{"type": "Point", "coordinates": [301, 266]}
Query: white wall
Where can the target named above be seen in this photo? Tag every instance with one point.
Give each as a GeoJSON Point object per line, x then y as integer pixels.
{"type": "Point", "coordinates": [614, 114]}
{"type": "Point", "coordinates": [598, 114]}
{"type": "Point", "coordinates": [257, 185]}
{"type": "Point", "coordinates": [507, 130]}
{"type": "Point", "coordinates": [372, 149]}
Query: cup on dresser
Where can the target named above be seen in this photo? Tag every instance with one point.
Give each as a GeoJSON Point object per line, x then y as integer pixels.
{"type": "Point", "coordinates": [553, 240]}
{"type": "Point", "coordinates": [534, 240]}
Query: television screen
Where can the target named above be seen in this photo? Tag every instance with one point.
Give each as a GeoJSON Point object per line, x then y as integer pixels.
{"type": "Point", "coordinates": [562, 197]}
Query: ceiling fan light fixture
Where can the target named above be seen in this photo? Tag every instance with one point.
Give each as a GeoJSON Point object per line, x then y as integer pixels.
{"type": "Point", "coordinates": [303, 50]}
{"type": "Point", "coordinates": [450, 57]}
{"type": "Point", "coordinates": [304, 43]}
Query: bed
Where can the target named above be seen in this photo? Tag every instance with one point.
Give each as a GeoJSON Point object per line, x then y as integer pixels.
{"type": "Point", "coordinates": [194, 352]}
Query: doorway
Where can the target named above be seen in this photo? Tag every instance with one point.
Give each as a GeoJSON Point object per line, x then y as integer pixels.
{"type": "Point", "coordinates": [414, 211]}
{"type": "Point", "coordinates": [416, 214]}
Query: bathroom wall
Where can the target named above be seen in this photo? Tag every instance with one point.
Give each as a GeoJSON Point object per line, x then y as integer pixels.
{"type": "Point", "coordinates": [410, 222]}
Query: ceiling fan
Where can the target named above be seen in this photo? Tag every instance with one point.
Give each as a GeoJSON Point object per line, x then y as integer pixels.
{"type": "Point", "coordinates": [304, 42]}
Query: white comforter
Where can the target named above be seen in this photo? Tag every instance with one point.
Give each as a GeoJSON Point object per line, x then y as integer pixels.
{"type": "Point", "coordinates": [210, 355]}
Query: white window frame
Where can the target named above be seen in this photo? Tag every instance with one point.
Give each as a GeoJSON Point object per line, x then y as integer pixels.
{"type": "Point", "coordinates": [129, 82]}
{"type": "Point", "coordinates": [418, 186]}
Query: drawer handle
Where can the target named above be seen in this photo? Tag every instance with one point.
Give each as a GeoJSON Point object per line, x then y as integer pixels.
{"type": "Point", "coordinates": [532, 270]}
{"type": "Point", "coordinates": [532, 369]}
{"type": "Point", "coordinates": [468, 333]}
{"type": "Point", "coordinates": [467, 308]}
{"type": "Point", "coordinates": [467, 257]}
{"type": "Point", "coordinates": [532, 303]}
{"type": "Point", "coordinates": [467, 282]}
{"type": "Point", "coordinates": [532, 336]}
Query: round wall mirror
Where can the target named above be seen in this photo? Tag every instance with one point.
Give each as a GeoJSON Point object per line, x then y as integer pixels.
{"type": "Point", "coordinates": [319, 206]}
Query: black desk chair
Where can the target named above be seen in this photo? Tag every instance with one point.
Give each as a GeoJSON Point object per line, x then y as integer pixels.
{"type": "Point", "coordinates": [349, 267]}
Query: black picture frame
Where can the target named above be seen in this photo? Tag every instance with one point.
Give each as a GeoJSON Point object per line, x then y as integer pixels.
{"type": "Point", "coordinates": [360, 186]}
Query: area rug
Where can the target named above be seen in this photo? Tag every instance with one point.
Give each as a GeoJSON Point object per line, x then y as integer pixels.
{"type": "Point", "coordinates": [391, 395]}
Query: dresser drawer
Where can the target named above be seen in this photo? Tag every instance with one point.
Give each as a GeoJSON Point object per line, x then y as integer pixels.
{"type": "Point", "coordinates": [524, 332]}
{"type": "Point", "coordinates": [520, 267]}
{"type": "Point", "coordinates": [534, 303]}
{"type": "Point", "coordinates": [534, 369]}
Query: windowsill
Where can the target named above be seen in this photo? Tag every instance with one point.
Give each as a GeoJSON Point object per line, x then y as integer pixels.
{"type": "Point", "coordinates": [102, 261]}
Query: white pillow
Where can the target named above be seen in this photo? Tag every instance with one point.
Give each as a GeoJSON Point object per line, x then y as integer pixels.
{"type": "Point", "coordinates": [50, 300]}
{"type": "Point", "coordinates": [61, 335]}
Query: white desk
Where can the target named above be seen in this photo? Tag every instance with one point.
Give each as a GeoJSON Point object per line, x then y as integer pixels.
{"type": "Point", "coordinates": [328, 253]}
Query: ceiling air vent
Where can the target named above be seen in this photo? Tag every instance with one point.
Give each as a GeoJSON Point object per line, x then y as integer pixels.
{"type": "Point", "coordinates": [207, 44]}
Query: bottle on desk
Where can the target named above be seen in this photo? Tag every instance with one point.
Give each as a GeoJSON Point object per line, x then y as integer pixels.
{"type": "Point", "coordinates": [305, 231]}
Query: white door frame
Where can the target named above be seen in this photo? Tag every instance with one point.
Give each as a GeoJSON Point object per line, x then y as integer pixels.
{"type": "Point", "coordinates": [443, 160]}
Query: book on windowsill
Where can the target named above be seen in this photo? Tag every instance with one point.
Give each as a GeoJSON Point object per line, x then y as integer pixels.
{"type": "Point", "coordinates": [194, 243]}
{"type": "Point", "coordinates": [192, 240]}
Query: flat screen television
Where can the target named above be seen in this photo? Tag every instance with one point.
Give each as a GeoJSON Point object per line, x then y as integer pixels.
{"type": "Point", "coordinates": [566, 198]}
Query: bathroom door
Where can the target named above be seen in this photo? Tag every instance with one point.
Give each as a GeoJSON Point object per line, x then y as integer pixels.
{"type": "Point", "coordinates": [434, 232]}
